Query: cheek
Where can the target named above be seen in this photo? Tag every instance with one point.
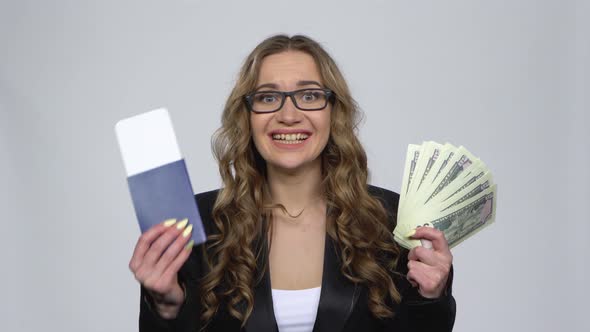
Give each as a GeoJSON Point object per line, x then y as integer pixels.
{"type": "Point", "coordinates": [326, 125]}
{"type": "Point", "coordinates": [255, 126]}
{"type": "Point", "coordinates": [323, 126]}
{"type": "Point", "coordinates": [257, 131]}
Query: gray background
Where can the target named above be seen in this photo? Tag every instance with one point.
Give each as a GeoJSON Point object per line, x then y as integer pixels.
{"type": "Point", "coordinates": [507, 79]}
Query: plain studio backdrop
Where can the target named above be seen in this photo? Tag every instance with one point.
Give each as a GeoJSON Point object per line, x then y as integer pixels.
{"type": "Point", "coordinates": [508, 79]}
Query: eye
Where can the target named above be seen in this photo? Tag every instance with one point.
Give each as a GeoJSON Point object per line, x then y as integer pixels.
{"type": "Point", "coordinates": [309, 96]}
{"type": "Point", "coordinates": [266, 98]}
{"type": "Point", "coordinates": [312, 95]}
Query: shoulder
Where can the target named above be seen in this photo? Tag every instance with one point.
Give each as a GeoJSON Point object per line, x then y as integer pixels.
{"type": "Point", "coordinates": [205, 201]}
{"type": "Point", "coordinates": [388, 198]}
{"type": "Point", "coordinates": [207, 198]}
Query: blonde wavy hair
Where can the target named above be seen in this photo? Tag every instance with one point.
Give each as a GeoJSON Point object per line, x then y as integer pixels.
{"type": "Point", "coordinates": [356, 220]}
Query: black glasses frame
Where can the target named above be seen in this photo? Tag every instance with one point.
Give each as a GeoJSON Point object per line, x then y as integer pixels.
{"type": "Point", "coordinates": [330, 97]}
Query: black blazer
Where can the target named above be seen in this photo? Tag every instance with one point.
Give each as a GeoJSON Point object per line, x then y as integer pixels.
{"type": "Point", "coordinates": [343, 305]}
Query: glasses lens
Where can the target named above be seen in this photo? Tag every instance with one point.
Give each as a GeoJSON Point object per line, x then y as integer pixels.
{"type": "Point", "coordinates": [266, 101]}
{"type": "Point", "coordinates": [311, 99]}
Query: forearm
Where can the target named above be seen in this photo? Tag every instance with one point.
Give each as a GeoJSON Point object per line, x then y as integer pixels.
{"type": "Point", "coordinates": [432, 315]}
{"type": "Point", "coordinates": [167, 311]}
{"type": "Point", "coordinates": [168, 308]}
{"type": "Point", "coordinates": [160, 316]}
{"type": "Point", "coordinates": [157, 317]}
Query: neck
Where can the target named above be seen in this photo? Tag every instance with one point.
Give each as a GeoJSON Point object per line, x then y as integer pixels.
{"type": "Point", "coordinates": [296, 189]}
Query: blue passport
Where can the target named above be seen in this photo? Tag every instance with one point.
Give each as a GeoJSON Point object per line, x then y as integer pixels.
{"type": "Point", "coordinates": [157, 176]}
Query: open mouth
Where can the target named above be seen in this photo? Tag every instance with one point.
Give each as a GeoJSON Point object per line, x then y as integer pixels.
{"type": "Point", "coordinates": [290, 138]}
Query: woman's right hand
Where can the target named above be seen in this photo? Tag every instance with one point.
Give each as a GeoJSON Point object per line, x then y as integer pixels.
{"type": "Point", "coordinates": [159, 254]}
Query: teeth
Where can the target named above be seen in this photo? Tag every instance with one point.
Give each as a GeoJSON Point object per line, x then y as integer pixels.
{"type": "Point", "coordinates": [290, 138]}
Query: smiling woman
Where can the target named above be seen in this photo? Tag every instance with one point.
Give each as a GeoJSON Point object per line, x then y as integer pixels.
{"type": "Point", "coordinates": [298, 241]}
{"type": "Point", "coordinates": [289, 138]}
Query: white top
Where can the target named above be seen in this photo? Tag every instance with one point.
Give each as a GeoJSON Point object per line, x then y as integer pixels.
{"type": "Point", "coordinates": [296, 310]}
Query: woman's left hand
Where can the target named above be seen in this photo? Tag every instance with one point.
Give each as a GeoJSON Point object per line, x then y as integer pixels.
{"type": "Point", "coordinates": [428, 269]}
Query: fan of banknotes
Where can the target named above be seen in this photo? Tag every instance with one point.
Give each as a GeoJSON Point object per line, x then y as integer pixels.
{"type": "Point", "coordinates": [447, 188]}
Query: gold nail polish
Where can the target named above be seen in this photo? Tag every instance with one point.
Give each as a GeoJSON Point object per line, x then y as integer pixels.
{"type": "Point", "coordinates": [182, 224]}
{"type": "Point", "coordinates": [169, 222]}
{"type": "Point", "coordinates": [190, 245]}
{"type": "Point", "coordinates": [411, 233]}
{"type": "Point", "coordinates": [187, 231]}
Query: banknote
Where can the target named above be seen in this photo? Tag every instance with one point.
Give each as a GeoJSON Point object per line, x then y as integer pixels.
{"type": "Point", "coordinates": [409, 199]}
{"type": "Point", "coordinates": [412, 160]}
{"type": "Point", "coordinates": [460, 162]}
{"type": "Point", "coordinates": [412, 156]}
{"type": "Point", "coordinates": [447, 188]}
{"type": "Point", "coordinates": [430, 153]}
{"type": "Point", "coordinates": [476, 173]}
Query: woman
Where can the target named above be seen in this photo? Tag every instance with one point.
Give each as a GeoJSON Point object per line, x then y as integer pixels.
{"type": "Point", "coordinates": [297, 240]}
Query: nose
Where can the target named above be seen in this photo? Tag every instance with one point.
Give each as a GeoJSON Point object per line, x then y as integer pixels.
{"type": "Point", "coordinates": [289, 114]}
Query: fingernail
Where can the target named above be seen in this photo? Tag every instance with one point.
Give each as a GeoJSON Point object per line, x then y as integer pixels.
{"type": "Point", "coordinates": [190, 245]}
{"type": "Point", "coordinates": [426, 243]}
{"type": "Point", "coordinates": [187, 231]}
{"type": "Point", "coordinates": [182, 224]}
{"type": "Point", "coordinates": [169, 222]}
{"type": "Point", "coordinates": [411, 233]}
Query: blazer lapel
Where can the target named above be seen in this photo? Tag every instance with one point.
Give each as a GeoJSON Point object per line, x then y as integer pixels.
{"type": "Point", "coordinates": [337, 298]}
{"type": "Point", "coordinates": [338, 295]}
{"type": "Point", "coordinates": [262, 317]}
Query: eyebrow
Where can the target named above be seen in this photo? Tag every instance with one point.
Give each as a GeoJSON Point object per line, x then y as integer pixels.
{"type": "Point", "coordinates": [299, 84]}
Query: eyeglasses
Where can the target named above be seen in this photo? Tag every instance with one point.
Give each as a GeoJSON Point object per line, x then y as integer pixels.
{"type": "Point", "coordinates": [304, 99]}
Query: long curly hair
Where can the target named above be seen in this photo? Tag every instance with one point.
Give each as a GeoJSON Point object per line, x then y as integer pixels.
{"type": "Point", "coordinates": [356, 220]}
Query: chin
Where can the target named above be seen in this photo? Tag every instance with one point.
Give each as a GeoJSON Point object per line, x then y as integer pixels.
{"type": "Point", "coordinates": [292, 164]}
{"type": "Point", "coordinates": [288, 165]}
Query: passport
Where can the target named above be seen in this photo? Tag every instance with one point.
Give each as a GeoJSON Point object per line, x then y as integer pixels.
{"type": "Point", "coordinates": [157, 176]}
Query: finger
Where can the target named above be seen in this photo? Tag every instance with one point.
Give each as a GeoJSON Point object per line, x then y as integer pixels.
{"type": "Point", "coordinates": [412, 281]}
{"type": "Point", "coordinates": [412, 274]}
{"type": "Point", "coordinates": [161, 283]}
{"type": "Point", "coordinates": [422, 275]}
{"type": "Point", "coordinates": [172, 270]}
{"type": "Point", "coordinates": [173, 250]}
{"type": "Point", "coordinates": [155, 261]}
{"type": "Point", "coordinates": [159, 246]}
{"type": "Point", "coordinates": [431, 280]}
{"type": "Point", "coordinates": [426, 243]}
{"type": "Point", "coordinates": [424, 255]}
{"type": "Point", "coordinates": [145, 272]}
{"type": "Point", "coordinates": [145, 241]}
{"type": "Point", "coordinates": [412, 254]}
{"type": "Point", "coordinates": [418, 268]}
{"type": "Point", "coordinates": [439, 242]}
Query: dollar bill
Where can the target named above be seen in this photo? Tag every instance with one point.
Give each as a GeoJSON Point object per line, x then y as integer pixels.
{"type": "Point", "coordinates": [475, 189]}
{"type": "Point", "coordinates": [430, 153]}
{"type": "Point", "coordinates": [410, 199]}
{"type": "Point", "coordinates": [468, 217]}
{"type": "Point", "coordinates": [461, 161]}
{"type": "Point", "coordinates": [412, 156]}
{"type": "Point", "coordinates": [476, 174]}
{"type": "Point", "coordinates": [447, 188]}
